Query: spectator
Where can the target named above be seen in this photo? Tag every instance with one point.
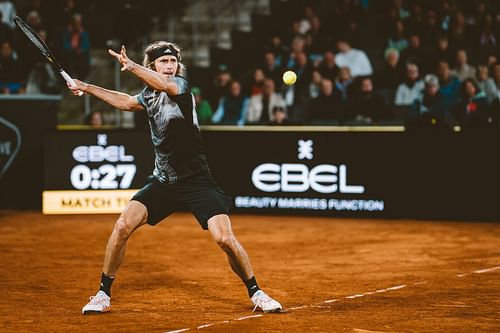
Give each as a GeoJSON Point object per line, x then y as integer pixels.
{"type": "Point", "coordinates": [472, 110]}
{"type": "Point", "coordinates": [327, 66]}
{"type": "Point", "coordinates": [257, 82]}
{"type": "Point", "coordinates": [317, 41]}
{"type": "Point", "coordinates": [355, 59]}
{"type": "Point", "coordinates": [415, 53]}
{"type": "Point", "coordinates": [367, 106]}
{"type": "Point", "coordinates": [397, 39]}
{"type": "Point", "coordinates": [315, 84]}
{"type": "Point", "coordinates": [76, 45]}
{"type": "Point", "coordinates": [449, 84]}
{"type": "Point", "coordinates": [11, 81]}
{"type": "Point", "coordinates": [391, 75]}
{"type": "Point", "coordinates": [410, 89]}
{"type": "Point", "coordinates": [442, 52]}
{"type": "Point", "coordinates": [271, 69]}
{"type": "Point", "coordinates": [223, 79]}
{"type": "Point", "coordinates": [5, 30]}
{"type": "Point", "coordinates": [326, 107]}
{"type": "Point", "coordinates": [343, 83]}
{"type": "Point", "coordinates": [232, 107]}
{"type": "Point", "coordinates": [430, 29]}
{"type": "Point", "coordinates": [429, 109]}
{"type": "Point", "coordinates": [203, 108]}
{"type": "Point", "coordinates": [94, 119]}
{"type": "Point", "coordinates": [260, 110]}
{"type": "Point", "coordinates": [279, 115]}
{"type": "Point", "coordinates": [8, 11]}
{"type": "Point", "coordinates": [279, 50]}
{"type": "Point", "coordinates": [486, 84]}
{"type": "Point", "coordinates": [462, 69]}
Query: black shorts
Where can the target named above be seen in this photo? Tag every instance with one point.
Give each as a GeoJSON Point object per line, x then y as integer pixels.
{"type": "Point", "coordinates": [198, 194]}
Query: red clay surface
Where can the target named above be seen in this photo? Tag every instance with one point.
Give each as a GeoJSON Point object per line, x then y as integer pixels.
{"type": "Point", "coordinates": [175, 277]}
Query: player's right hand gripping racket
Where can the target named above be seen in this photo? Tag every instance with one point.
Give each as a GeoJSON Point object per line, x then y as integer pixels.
{"type": "Point", "coordinates": [44, 49]}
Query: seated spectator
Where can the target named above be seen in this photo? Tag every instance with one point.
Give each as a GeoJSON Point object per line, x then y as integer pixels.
{"type": "Point", "coordinates": [397, 39]}
{"type": "Point", "coordinates": [315, 84]}
{"type": "Point", "coordinates": [472, 110]}
{"type": "Point", "coordinates": [327, 66]}
{"type": "Point", "coordinates": [429, 109]}
{"type": "Point", "coordinates": [271, 69]}
{"type": "Point", "coordinates": [390, 76]}
{"type": "Point", "coordinates": [260, 110]}
{"type": "Point", "coordinates": [410, 89]}
{"type": "Point", "coordinates": [355, 59]}
{"type": "Point", "coordinates": [232, 107]}
{"type": "Point", "coordinates": [76, 45]}
{"type": "Point", "coordinates": [6, 33]}
{"type": "Point", "coordinates": [449, 85]}
{"type": "Point", "coordinates": [343, 82]}
{"type": "Point", "coordinates": [415, 53]}
{"type": "Point", "coordinates": [496, 74]}
{"type": "Point", "coordinates": [203, 108]}
{"type": "Point", "coordinates": [256, 82]}
{"type": "Point", "coordinates": [367, 106]}
{"type": "Point", "coordinates": [442, 52]}
{"type": "Point", "coordinates": [462, 69]}
{"type": "Point", "coordinates": [326, 108]}
{"type": "Point", "coordinates": [11, 80]}
{"type": "Point", "coordinates": [220, 87]}
{"type": "Point", "coordinates": [94, 119]}
{"type": "Point", "coordinates": [279, 116]}
{"type": "Point", "coordinates": [8, 11]}
{"type": "Point", "coordinates": [486, 84]}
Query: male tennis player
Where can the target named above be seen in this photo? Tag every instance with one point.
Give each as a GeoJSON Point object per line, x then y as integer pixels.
{"type": "Point", "coordinates": [181, 177]}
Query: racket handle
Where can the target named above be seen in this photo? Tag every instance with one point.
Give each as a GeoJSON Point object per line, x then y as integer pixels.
{"type": "Point", "coordinates": [70, 81]}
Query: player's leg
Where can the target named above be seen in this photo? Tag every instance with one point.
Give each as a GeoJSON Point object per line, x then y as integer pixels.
{"type": "Point", "coordinates": [132, 217]}
{"type": "Point", "coordinates": [220, 228]}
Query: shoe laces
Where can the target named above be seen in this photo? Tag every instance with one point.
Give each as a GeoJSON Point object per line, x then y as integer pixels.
{"type": "Point", "coordinates": [260, 299]}
{"type": "Point", "coordinates": [97, 299]}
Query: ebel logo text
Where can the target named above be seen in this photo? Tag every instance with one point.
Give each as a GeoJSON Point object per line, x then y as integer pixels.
{"type": "Point", "coordinates": [297, 177]}
{"type": "Point", "coordinates": [291, 177]}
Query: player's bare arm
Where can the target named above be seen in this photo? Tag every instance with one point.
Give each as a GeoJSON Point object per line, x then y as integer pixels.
{"type": "Point", "coordinates": [116, 99]}
{"type": "Point", "coordinates": [158, 80]}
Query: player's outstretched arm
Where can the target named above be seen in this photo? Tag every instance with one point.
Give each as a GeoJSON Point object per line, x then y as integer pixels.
{"type": "Point", "coordinates": [151, 78]}
{"type": "Point", "coordinates": [116, 99]}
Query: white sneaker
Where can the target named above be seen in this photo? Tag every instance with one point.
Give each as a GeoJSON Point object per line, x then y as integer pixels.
{"type": "Point", "coordinates": [98, 304]}
{"type": "Point", "coordinates": [262, 301]}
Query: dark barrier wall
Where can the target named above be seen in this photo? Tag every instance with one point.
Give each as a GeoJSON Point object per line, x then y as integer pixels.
{"type": "Point", "coordinates": [23, 122]}
{"type": "Point", "coordinates": [432, 175]}
{"type": "Point", "coordinates": [428, 175]}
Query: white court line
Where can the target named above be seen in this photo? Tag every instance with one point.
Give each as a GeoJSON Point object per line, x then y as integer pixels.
{"type": "Point", "coordinates": [401, 286]}
{"type": "Point", "coordinates": [331, 301]}
{"type": "Point", "coordinates": [248, 317]}
{"type": "Point", "coordinates": [486, 270]}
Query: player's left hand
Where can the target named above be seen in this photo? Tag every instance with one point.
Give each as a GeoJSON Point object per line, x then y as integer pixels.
{"type": "Point", "coordinates": [122, 57]}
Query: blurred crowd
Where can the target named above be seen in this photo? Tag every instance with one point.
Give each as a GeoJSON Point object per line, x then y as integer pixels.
{"type": "Point", "coordinates": [68, 27]}
{"type": "Point", "coordinates": [422, 63]}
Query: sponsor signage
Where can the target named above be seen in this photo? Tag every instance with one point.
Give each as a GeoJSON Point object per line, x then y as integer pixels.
{"type": "Point", "coordinates": [94, 172]}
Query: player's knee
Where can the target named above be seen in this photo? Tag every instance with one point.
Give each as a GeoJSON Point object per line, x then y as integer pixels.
{"type": "Point", "coordinates": [123, 228]}
{"type": "Point", "coordinates": [226, 242]}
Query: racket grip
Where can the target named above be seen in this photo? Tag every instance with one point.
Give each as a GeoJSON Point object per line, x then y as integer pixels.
{"type": "Point", "coordinates": [70, 81]}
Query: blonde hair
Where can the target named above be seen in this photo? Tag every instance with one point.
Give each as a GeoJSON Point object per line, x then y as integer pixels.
{"type": "Point", "coordinates": [146, 62]}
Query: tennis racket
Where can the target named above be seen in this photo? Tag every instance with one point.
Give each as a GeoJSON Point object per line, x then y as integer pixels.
{"type": "Point", "coordinates": [44, 49]}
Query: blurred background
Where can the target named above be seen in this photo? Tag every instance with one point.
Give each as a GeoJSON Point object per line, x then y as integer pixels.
{"type": "Point", "coordinates": [387, 62]}
{"type": "Point", "coordinates": [396, 99]}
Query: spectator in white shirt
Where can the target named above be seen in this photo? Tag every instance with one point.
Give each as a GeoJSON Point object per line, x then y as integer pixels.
{"type": "Point", "coordinates": [411, 88]}
{"type": "Point", "coordinates": [355, 59]}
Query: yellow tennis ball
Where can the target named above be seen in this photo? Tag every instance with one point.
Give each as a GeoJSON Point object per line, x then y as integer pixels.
{"type": "Point", "coordinates": [289, 78]}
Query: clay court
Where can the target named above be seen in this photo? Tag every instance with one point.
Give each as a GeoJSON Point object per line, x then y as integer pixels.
{"type": "Point", "coordinates": [332, 275]}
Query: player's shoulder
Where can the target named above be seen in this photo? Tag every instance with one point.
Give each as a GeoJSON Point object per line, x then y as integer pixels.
{"type": "Point", "coordinates": [182, 84]}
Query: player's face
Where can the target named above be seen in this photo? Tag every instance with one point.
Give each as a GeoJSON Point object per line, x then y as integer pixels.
{"type": "Point", "coordinates": [166, 65]}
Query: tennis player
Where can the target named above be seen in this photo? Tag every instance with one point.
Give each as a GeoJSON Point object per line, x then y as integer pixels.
{"type": "Point", "coordinates": [181, 177]}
